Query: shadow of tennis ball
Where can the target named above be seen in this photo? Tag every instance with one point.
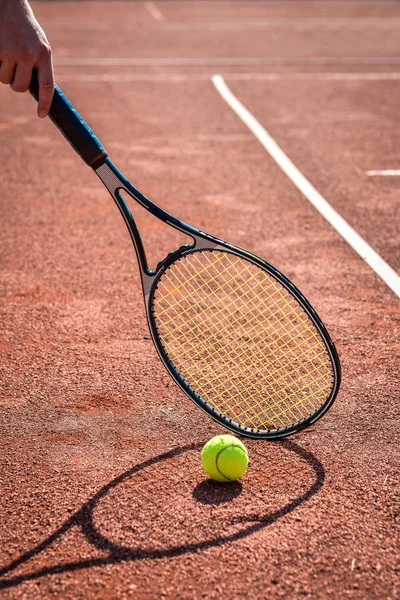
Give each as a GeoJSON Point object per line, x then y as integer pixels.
{"type": "Point", "coordinates": [212, 492]}
{"type": "Point", "coordinates": [165, 507]}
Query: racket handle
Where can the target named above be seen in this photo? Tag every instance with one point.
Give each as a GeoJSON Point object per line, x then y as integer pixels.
{"type": "Point", "coordinates": [72, 126]}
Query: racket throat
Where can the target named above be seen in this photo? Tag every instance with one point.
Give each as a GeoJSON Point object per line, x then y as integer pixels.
{"type": "Point", "coordinates": [115, 183]}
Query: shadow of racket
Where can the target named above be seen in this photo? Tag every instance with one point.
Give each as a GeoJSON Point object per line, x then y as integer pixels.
{"type": "Point", "coordinates": [206, 493]}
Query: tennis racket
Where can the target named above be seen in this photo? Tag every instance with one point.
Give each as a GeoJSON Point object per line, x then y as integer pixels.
{"type": "Point", "coordinates": [233, 332]}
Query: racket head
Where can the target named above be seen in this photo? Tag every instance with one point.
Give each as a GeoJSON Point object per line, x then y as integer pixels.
{"type": "Point", "coordinates": [241, 340]}
{"type": "Point", "coordinates": [268, 372]}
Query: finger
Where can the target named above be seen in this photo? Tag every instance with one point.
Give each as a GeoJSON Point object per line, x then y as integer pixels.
{"type": "Point", "coordinates": [22, 77]}
{"type": "Point", "coordinates": [7, 71]}
{"type": "Point", "coordinates": [46, 84]}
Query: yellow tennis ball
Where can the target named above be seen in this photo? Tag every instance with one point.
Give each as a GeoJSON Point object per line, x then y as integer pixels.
{"type": "Point", "coordinates": [224, 458]}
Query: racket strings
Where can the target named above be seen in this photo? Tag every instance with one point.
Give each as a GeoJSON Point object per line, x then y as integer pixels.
{"type": "Point", "coordinates": [241, 341]}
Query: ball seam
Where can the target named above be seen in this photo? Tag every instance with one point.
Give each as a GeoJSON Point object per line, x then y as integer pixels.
{"type": "Point", "coordinates": [217, 457]}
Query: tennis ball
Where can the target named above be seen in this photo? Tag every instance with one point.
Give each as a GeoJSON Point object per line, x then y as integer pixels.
{"type": "Point", "coordinates": [224, 458]}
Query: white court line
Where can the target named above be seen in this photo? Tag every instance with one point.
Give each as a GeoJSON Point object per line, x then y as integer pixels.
{"type": "Point", "coordinates": [384, 173]}
{"type": "Point", "coordinates": [262, 2]}
{"type": "Point", "coordinates": [381, 268]}
{"type": "Point", "coordinates": [154, 11]}
{"type": "Point", "coordinates": [158, 23]}
{"type": "Point", "coordinates": [316, 76]}
{"type": "Point", "coordinates": [300, 23]}
{"type": "Point", "coordinates": [126, 77]}
{"type": "Point", "coordinates": [206, 62]}
{"type": "Point", "coordinates": [175, 77]}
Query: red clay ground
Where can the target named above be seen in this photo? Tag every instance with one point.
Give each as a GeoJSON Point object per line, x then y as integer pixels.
{"type": "Point", "coordinates": [103, 495]}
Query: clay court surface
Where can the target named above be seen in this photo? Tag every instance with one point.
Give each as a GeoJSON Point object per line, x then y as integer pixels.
{"type": "Point", "coordinates": [102, 494]}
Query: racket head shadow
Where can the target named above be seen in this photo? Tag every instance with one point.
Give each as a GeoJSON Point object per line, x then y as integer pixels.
{"type": "Point", "coordinates": [242, 341]}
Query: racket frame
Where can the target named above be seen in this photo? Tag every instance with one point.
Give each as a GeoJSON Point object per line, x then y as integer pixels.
{"type": "Point", "coordinates": [116, 183]}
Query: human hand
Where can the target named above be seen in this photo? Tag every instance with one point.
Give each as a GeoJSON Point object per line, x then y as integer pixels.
{"type": "Point", "coordinates": [24, 46]}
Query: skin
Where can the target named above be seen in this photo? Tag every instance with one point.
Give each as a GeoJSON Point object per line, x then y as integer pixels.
{"type": "Point", "coordinates": [23, 47]}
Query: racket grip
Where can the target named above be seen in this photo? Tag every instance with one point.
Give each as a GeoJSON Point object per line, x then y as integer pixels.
{"type": "Point", "coordinates": [72, 126]}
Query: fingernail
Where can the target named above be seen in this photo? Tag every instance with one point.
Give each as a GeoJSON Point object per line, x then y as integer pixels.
{"type": "Point", "coordinates": [42, 114]}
